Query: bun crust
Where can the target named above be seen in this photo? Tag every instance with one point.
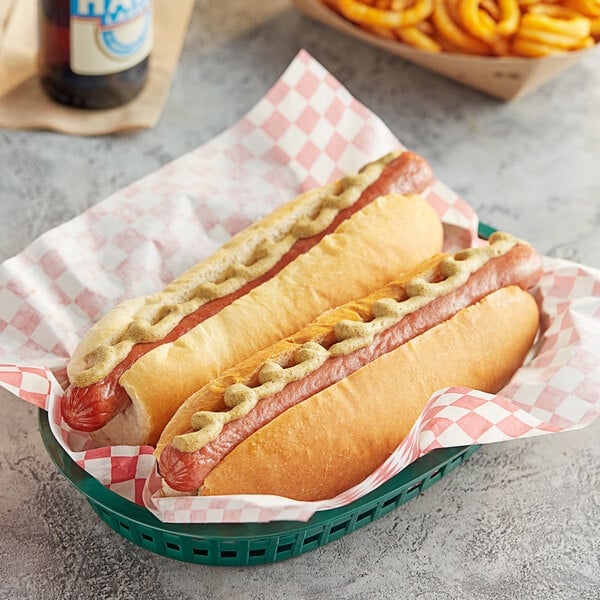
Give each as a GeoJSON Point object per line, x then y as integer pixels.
{"type": "Point", "coordinates": [336, 438]}
{"type": "Point", "coordinates": [109, 341]}
{"type": "Point", "coordinates": [390, 235]}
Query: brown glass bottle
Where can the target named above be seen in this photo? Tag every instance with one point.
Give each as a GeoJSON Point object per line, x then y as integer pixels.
{"type": "Point", "coordinates": [102, 71]}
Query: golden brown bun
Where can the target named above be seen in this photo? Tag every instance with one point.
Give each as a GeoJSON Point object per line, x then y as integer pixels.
{"type": "Point", "coordinates": [392, 234]}
{"type": "Point", "coordinates": [333, 440]}
{"type": "Point", "coordinates": [239, 260]}
{"type": "Point", "coordinates": [321, 330]}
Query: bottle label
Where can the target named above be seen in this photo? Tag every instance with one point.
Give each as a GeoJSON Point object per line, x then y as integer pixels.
{"type": "Point", "coordinates": [108, 36]}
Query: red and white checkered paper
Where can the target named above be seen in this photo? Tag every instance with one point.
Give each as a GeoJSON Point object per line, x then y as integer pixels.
{"type": "Point", "coordinates": [306, 131]}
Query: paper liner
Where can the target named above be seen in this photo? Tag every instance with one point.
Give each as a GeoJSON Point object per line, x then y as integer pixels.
{"type": "Point", "coordinates": [306, 131]}
{"type": "Point", "coordinates": [506, 78]}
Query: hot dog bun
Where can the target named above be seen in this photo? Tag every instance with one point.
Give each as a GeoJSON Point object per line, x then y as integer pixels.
{"type": "Point", "coordinates": [345, 390]}
{"type": "Point", "coordinates": [260, 289]}
{"type": "Point", "coordinates": [390, 235]}
{"type": "Point", "coordinates": [333, 440]}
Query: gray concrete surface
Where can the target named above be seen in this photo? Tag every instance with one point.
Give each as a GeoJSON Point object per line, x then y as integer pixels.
{"type": "Point", "coordinates": [519, 520]}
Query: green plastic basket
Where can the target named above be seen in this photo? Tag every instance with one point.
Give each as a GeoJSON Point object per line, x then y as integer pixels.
{"type": "Point", "coordinates": [252, 543]}
{"type": "Point", "coordinates": [249, 543]}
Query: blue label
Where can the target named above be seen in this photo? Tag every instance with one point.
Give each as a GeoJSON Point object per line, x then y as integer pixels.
{"type": "Point", "coordinates": [112, 18]}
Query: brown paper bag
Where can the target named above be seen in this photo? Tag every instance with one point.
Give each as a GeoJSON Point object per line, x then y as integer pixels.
{"type": "Point", "coordinates": [23, 103]}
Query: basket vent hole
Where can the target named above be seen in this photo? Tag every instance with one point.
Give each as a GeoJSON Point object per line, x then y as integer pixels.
{"type": "Point", "coordinates": [365, 515]}
{"type": "Point", "coordinates": [311, 539]}
{"type": "Point", "coordinates": [147, 537]}
{"type": "Point", "coordinates": [228, 553]}
{"type": "Point", "coordinates": [257, 552]}
{"type": "Point", "coordinates": [200, 551]}
{"type": "Point", "coordinates": [173, 546]}
{"type": "Point", "coordinates": [124, 525]}
{"type": "Point", "coordinates": [338, 527]}
{"type": "Point", "coordinates": [414, 487]}
{"type": "Point", "coordinates": [390, 501]}
{"type": "Point", "coordinates": [285, 548]}
{"type": "Point", "coordinates": [435, 474]}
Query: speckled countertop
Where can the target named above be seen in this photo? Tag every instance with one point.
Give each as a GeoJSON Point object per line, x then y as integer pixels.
{"type": "Point", "coordinates": [518, 520]}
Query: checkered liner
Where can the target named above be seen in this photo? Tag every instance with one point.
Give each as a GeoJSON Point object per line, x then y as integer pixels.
{"type": "Point", "coordinates": [306, 131]}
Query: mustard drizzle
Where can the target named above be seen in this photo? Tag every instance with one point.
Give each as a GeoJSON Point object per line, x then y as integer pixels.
{"type": "Point", "coordinates": [164, 310]}
{"type": "Point", "coordinates": [350, 336]}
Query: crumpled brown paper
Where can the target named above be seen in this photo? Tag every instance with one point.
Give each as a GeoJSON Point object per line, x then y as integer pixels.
{"type": "Point", "coordinates": [23, 103]}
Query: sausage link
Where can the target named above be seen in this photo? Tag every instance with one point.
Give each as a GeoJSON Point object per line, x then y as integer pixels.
{"type": "Point", "coordinates": [186, 471]}
{"type": "Point", "coordinates": [92, 407]}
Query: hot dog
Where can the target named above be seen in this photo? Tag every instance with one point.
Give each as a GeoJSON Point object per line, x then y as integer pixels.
{"type": "Point", "coordinates": [317, 412]}
{"type": "Point", "coordinates": [144, 358]}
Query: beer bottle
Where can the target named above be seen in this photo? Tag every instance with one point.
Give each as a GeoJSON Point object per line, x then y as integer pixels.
{"type": "Point", "coordinates": [94, 53]}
